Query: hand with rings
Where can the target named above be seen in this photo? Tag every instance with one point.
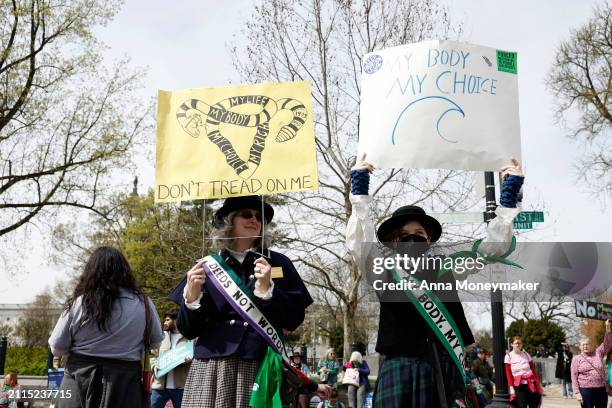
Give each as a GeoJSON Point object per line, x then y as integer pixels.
{"type": "Point", "coordinates": [195, 280]}
{"type": "Point", "coordinates": [263, 274]}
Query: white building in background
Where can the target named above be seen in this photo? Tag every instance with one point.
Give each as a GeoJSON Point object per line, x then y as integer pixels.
{"type": "Point", "coordinates": [10, 313]}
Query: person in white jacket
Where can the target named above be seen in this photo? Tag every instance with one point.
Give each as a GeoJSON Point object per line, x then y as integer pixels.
{"type": "Point", "coordinates": [418, 370]}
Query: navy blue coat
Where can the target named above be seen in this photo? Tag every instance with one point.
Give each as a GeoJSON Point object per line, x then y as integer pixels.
{"type": "Point", "coordinates": [221, 331]}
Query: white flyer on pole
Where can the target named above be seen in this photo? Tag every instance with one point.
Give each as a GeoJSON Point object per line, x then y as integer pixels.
{"type": "Point", "coordinates": [440, 104]}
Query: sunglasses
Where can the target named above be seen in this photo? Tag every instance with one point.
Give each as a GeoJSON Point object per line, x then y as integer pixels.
{"type": "Point", "coordinates": [247, 215]}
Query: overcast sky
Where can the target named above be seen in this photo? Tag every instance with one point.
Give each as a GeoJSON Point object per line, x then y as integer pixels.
{"type": "Point", "coordinates": [183, 44]}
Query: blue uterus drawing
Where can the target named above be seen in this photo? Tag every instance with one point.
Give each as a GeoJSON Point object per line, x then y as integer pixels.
{"type": "Point", "coordinates": [447, 106]}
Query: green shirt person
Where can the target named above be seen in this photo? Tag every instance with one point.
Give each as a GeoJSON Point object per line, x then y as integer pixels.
{"type": "Point", "coordinates": [328, 368]}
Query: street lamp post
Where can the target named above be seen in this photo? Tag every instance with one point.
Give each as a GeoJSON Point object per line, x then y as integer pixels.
{"type": "Point", "coordinates": [3, 346]}
{"type": "Point", "coordinates": [502, 398]}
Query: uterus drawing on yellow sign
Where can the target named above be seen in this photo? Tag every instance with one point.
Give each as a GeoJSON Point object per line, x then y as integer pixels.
{"type": "Point", "coordinates": [234, 141]}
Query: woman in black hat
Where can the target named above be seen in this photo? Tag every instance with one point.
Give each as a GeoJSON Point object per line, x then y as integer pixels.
{"type": "Point", "coordinates": [418, 371]}
{"type": "Point", "coordinates": [228, 351]}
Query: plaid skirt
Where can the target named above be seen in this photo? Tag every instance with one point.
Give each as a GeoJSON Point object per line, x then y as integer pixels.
{"type": "Point", "coordinates": [409, 382]}
{"type": "Point", "coordinates": [224, 382]}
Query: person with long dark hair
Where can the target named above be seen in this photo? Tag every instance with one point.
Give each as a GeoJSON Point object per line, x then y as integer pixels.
{"type": "Point", "coordinates": [104, 328]}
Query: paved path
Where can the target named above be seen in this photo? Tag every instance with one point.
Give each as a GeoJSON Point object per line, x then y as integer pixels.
{"type": "Point", "coordinates": [553, 398]}
{"type": "Point", "coordinates": [559, 402]}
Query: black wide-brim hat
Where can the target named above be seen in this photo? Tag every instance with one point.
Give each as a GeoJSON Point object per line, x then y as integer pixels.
{"type": "Point", "coordinates": [252, 202]}
{"type": "Point", "coordinates": [409, 213]}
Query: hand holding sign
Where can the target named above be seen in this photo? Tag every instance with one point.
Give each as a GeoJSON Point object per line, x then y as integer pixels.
{"type": "Point", "coordinates": [362, 164]}
{"type": "Point", "coordinates": [170, 359]}
{"type": "Point", "coordinates": [195, 280]}
{"type": "Point", "coordinates": [513, 168]}
{"type": "Point", "coordinates": [263, 274]}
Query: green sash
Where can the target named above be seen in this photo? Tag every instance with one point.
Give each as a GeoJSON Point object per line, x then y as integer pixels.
{"type": "Point", "coordinates": [433, 311]}
{"type": "Point", "coordinates": [266, 388]}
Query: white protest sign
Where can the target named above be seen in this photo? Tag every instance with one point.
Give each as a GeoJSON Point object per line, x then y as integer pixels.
{"type": "Point", "coordinates": [439, 104]}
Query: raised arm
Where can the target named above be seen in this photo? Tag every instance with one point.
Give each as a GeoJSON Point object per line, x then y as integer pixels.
{"type": "Point", "coordinates": [500, 229]}
{"type": "Point", "coordinates": [603, 348]}
{"type": "Point", "coordinates": [360, 228]}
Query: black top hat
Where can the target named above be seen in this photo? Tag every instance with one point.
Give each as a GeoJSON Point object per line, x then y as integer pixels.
{"type": "Point", "coordinates": [242, 203]}
{"type": "Point", "coordinates": [409, 213]}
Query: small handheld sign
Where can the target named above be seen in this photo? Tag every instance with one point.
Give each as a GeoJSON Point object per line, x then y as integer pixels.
{"type": "Point", "coordinates": [171, 359]}
{"type": "Point", "coordinates": [593, 310]}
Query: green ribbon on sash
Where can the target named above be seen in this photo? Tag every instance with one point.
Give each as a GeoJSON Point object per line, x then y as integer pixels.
{"type": "Point", "coordinates": [452, 333]}
{"type": "Point", "coordinates": [474, 253]}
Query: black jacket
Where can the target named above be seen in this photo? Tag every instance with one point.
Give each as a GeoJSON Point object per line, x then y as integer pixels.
{"type": "Point", "coordinates": [403, 331]}
{"type": "Point", "coordinates": [564, 363]}
{"type": "Point", "coordinates": [221, 332]}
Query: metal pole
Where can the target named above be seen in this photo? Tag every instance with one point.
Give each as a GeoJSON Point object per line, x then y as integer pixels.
{"type": "Point", "coordinates": [49, 358]}
{"type": "Point", "coordinates": [203, 227]}
{"type": "Point", "coordinates": [263, 225]}
{"type": "Point", "coordinates": [3, 347]}
{"type": "Point", "coordinates": [502, 398]}
{"type": "Point", "coordinates": [314, 339]}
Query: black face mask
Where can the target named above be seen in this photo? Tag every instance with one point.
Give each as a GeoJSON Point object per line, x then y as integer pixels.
{"type": "Point", "coordinates": [412, 245]}
{"type": "Point", "coordinates": [413, 238]}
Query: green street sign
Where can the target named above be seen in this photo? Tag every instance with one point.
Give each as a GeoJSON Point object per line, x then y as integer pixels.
{"type": "Point", "coordinates": [522, 225]}
{"type": "Point", "coordinates": [529, 217]}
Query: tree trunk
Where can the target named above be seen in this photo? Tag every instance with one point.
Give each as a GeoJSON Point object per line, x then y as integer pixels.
{"type": "Point", "coordinates": [350, 311]}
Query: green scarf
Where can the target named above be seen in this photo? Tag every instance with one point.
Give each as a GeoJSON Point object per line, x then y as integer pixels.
{"type": "Point", "coordinates": [266, 389]}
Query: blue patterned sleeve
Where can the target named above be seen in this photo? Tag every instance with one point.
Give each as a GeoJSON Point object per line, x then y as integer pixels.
{"type": "Point", "coordinates": [510, 191]}
{"type": "Point", "coordinates": [360, 182]}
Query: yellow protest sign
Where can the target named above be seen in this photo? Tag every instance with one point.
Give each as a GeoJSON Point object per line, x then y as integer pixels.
{"type": "Point", "coordinates": [235, 141]}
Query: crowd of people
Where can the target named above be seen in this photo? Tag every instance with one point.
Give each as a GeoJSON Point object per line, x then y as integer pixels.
{"type": "Point", "coordinates": [110, 325]}
{"type": "Point", "coordinates": [586, 377]}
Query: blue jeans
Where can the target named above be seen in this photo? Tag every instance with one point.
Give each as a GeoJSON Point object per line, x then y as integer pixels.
{"type": "Point", "coordinates": [569, 391]}
{"type": "Point", "coordinates": [160, 397]}
{"type": "Point", "coordinates": [594, 397]}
